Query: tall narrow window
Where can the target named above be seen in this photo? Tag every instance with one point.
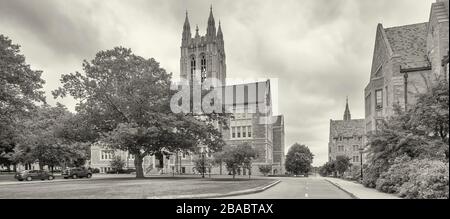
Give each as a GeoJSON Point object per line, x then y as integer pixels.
{"type": "Point", "coordinates": [379, 99]}
{"type": "Point", "coordinates": [249, 129]}
{"type": "Point", "coordinates": [244, 132]}
{"type": "Point", "coordinates": [203, 67]}
{"type": "Point", "coordinates": [233, 132]}
{"type": "Point", "coordinates": [238, 132]}
{"type": "Point", "coordinates": [387, 95]}
{"type": "Point", "coordinates": [193, 67]}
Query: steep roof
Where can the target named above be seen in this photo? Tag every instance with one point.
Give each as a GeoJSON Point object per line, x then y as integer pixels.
{"type": "Point", "coordinates": [410, 43]}
{"type": "Point", "coordinates": [347, 128]}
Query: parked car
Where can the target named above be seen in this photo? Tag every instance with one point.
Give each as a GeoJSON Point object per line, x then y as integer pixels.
{"type": "Point", "coordinates": [75, 173]}
{"type": "Point", "coordinates": [29, 175]}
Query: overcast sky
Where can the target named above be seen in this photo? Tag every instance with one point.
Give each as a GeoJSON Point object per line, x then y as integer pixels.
{"type": "Point", "coordinates": [321, 50]}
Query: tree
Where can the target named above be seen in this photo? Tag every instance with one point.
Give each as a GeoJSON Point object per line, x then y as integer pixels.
{"type": "Point", "coordinates": [218, 160]}
{"type": "Point", "coordinates": [117, 164]}
{"type": "Point", "coordinates": [299, 159]}
{"type": "Point", "coordinates": [20, 91]}
{"type": "Point", "coordinates": [239, 157]}
{"type": "Point", "coordinates": [341, 164]}
{"type": "Point", "coordinates": [265, 169]}
{"type": "Point", "coordinates": [327, 169]}
{"type": "Point", "coordinates": [42, 139]}
{"type": "Point", "coordinates": [125, 99]}
{"type": "Point", "coordinates": [202, 165]}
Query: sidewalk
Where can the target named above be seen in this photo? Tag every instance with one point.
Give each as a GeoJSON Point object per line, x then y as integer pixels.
{"type": "Point", "coordinates": [359, 191]}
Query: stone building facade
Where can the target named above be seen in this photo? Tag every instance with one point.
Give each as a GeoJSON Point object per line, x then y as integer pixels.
{"type": "Point", "coordinates": [252, 122]}
{"type": "Point", "coordinates": [204, 54]}
{"type": "Point", "coordinates": [347, 137]}
{"type": "Point", "coordinates": [406, 61]}
{"type": "Point", "coordinates": [101, 157]}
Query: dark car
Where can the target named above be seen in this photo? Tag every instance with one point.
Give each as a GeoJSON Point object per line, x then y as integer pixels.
{"type": "Point", "coordinates": [75, 173]}
{"type": "Point", "coordinates": [29, 175]}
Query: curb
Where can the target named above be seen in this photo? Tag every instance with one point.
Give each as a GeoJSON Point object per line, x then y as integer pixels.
{"type": "Point", "coordinates": [339, 187]}
{"type": "Point", "coordinates": [219, 195]}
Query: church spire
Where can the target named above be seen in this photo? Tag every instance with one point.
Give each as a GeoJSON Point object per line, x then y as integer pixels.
{"type": "Point", "coordinates": [186, 30]}
{"type": "Point", "coordinates": [347, 115]}
{"type": "Point", "coordinates": [211, 29]}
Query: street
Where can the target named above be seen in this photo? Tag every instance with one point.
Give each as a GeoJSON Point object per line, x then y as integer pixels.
{"type": "Point", "coordinates": [299, 188]}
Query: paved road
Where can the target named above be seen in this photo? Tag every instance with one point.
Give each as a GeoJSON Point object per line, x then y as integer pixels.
{"type": "Point", "coordinates": [299, 188]}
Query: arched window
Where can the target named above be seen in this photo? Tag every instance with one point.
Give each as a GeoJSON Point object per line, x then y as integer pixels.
{"type": "Point", "coordinates": [193, 66]}
{"type": "Point", "coordinates": [203, 67]}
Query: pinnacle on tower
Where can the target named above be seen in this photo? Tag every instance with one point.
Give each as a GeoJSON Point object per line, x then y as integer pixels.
{"type": "Point", "coordinates": [347, 115]}
{"type": "Point", "coordinates": [196, 32]}
{"type": "Point", "coordinates": [186, 30]}
{"type": "Point", "coordinates": [219, 32]}
{"type": "Point", "coordinates": [211, 29]}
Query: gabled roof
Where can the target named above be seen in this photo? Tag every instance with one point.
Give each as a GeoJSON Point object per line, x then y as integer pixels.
{"type": "Point", "coordinates": [409, 42]}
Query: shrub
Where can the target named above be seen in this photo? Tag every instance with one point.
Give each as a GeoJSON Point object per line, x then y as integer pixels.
{"type": "Point", "coordinates": [265, 169]}
{"type": "Point", "coordinates": [372, 172]}
{"type": "Point", "coordinates": [354, 173]}
{"type": "Point", "coordinates": [391, 180]}
{"type": "Point", "coordinates": [428, 179]}
{"type": "Point", "coordinates": [95, 170]}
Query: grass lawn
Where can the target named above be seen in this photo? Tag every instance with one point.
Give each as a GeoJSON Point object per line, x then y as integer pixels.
{"type": "Point", "coordinates": [130, 188]}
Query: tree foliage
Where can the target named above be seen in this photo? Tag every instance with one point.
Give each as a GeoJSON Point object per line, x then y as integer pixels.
{"type": "Point", "coordinates": [42, 139]}
{"type": "Point", "coordinates": [20, 90]}
{"type": "Point", "coordinates": [265, 169]}
{"type": "Point", "coordinates": [299, 159]}
{"type": "Point", "coordinates": [117, 164]}
{"type": "Point", "coordinates": [342, 164]}
{"type": "Point", "coordinates": [239, 157]}
{"type": "Point", "coordinates": [420, 133]}
{"type": "Point", "coordinates": [125, 99]}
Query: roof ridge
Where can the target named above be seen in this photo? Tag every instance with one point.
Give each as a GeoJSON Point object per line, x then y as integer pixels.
{"type": "Point", "coordinates": [407, 25]}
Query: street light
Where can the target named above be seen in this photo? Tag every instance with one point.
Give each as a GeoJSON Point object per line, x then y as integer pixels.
{"type": "Point", "coordinates": [361, 151]}
{"type": "Point", "coordinates": [203, 161]}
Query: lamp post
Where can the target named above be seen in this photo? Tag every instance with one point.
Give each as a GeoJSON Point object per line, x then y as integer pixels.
{"type": "Point", "coordinates": [361, 151]}
{"type": "Point", "coordinates": [203, 162]}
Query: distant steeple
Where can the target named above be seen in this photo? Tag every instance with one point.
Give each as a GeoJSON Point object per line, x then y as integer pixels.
{"type": "Point", "coordinates": [211, 29]}
{"type": "Point", "coordinates": [186, 30]}
{"type": "Point", "coordinates": [347, 115]}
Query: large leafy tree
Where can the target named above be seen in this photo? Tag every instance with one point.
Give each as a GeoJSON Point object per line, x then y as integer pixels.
{"type": "Point", "coordinates": [299, 159]}
{"type": "Point", "coordinates": [20, 90]}
{"type": "Point", "coordinates": [239, 157]}
{"type": "Point", "coordinates": [125, 100]}
{"type": "Point", "coordinates": [42, 139]}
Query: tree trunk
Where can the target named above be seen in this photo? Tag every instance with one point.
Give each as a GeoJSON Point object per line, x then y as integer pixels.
{"type": "Point", "coordinates": [138, 160]}
{"type": "Point", "coordinates": [15, 167]}
{"type": "Point", "coordinates": [220, 168]}
{"type": "Point", "coordinates": [234, 173]}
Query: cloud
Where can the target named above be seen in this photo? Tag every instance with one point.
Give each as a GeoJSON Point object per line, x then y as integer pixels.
{"type": "Point", "coordinates": [321, 50]}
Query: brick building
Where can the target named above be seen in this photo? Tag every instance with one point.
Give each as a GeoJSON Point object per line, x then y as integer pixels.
{"type": "Point", "coordinates": [406, 60]}
{"type": "Point", "coordinates": [347, 137]}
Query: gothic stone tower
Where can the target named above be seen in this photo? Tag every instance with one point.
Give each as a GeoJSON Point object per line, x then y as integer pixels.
{"type": "Point", "coordinates": [204, 55]}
